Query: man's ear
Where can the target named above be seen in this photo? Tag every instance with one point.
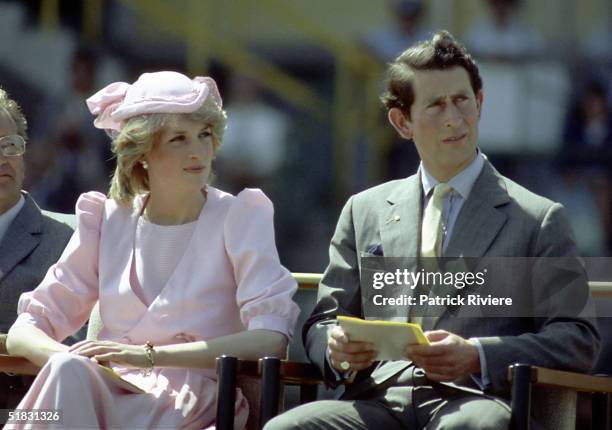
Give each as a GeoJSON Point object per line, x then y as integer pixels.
{"type": "Point", "coordinates": [400, 123]}
{"type": "Point", "coordinates": [479, 100]}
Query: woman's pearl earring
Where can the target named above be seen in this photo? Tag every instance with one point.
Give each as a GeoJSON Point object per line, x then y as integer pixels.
{"type": "Point", "coordinates": [145, 165]}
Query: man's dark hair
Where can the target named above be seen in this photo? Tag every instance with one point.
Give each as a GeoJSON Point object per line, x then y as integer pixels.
{"type": "Point", "coordinates": [439, 53]}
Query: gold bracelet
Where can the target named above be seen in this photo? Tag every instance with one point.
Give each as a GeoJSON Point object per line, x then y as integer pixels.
{"type": "Point", "coordinates": [146, 371]}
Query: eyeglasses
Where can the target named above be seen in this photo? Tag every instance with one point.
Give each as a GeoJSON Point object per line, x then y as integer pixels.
{"type": "Point", "coordinates": [12, 146]}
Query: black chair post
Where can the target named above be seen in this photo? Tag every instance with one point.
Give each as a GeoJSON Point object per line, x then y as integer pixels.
{"type": "Point", "coordinates": [226, 391]}
{"type": "Point", "coordinates": [602, 411]}
{"type": "Point", "coordinates": [521, 397]}
{"type": "Point", "coordinates": [270, 389]}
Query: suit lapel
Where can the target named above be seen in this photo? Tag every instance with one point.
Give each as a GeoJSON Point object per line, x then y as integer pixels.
{"type": "Point", "coordinates": [400, 223]}
{"type": "Point", "coordinates": [476, 227]}
{"type": "Point", "coordinates": [479, 221]}
{"type": "Point", "coordinates": [400, 227]}
{"type": "Point", "coordinates": [22, 236]}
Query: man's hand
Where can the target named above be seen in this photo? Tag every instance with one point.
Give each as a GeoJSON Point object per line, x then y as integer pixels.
{"type": "Point", "coordinates": [104, 351]}
{"type": "Point", "coordinates": [447, 357]}
{"type": "Point", "coordinates": [359, 355]}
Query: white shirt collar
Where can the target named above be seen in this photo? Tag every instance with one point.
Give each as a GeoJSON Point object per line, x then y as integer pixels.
{"type": "Point", "coordinates": [461, 183]}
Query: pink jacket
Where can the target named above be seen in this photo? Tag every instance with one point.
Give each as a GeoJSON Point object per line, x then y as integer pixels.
{"type": "Point", "coordinates": [230, 279]}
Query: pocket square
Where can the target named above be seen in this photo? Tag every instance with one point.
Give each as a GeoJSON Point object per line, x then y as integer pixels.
{"type": "Point", "coordinates": [376, 250]}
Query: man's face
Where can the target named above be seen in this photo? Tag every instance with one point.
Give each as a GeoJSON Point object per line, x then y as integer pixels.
{"type": "Point", "coordinates": [11, 168]}
{"type": "Point", "coordinates": [443, 120]}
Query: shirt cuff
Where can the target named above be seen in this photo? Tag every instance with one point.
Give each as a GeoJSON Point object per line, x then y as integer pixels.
{"type": "Point", "coordinates": [483, 381]}
{"type": "Point", "coordinates": [271, 322]}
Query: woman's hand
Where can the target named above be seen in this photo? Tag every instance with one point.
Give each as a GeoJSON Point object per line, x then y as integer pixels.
{"type": "Point", "coordinates": [103, 351]}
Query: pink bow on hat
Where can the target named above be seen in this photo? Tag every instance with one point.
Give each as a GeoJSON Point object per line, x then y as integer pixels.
{"type": "Point", "coordinates": [159, 92]}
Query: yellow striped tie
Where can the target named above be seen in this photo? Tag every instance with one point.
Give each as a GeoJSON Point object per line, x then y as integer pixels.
{"type": "Point", "coordinates": [431, 242]}
{"type": "Point", "coordinates": [431, 233]}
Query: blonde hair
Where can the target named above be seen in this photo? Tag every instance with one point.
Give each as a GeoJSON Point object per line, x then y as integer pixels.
{"type": "Point", "coordinates": [14, 111]}
{"type": "Point", "coordinates": [136, 140]}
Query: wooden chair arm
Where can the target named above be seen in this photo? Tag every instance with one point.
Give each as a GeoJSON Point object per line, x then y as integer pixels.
{"type": "Point", "coordinates": [298, 373]}
{"type": "Point", "coordinates": [563, 379]}
{"type": "Point", "coordinates": [601, 289]}
{"type": "Point", "coordinates": [17, 365]}
{"type": "Point", "coordinates": [524, 377]}
{"type": "Point", "coordinates": [309, 281]}
{"type": "Point", "coordinates": [290, 372]}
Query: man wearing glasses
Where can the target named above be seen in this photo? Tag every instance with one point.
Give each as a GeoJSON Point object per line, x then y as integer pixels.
{"type": "Point", "coordinates": [31, 240]}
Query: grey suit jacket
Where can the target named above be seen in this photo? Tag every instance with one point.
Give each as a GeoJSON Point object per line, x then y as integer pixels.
{"type": "Point", "coordinates": [499, 219]}
{"type": "Point", "coordinates": [33, 242]}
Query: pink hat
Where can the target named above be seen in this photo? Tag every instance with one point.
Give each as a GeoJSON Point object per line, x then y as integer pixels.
{"type": "Point", "coordinates": [159, 92]}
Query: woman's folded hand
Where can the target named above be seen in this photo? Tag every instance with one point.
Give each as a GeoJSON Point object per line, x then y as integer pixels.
{"type": "Point", "coordinates": [103, 351]}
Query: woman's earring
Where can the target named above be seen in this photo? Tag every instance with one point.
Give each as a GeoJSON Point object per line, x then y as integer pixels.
{"type": "Point", "coordinates": [145, 165]}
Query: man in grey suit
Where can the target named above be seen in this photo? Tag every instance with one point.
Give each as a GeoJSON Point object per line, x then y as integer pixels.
{"type": "Point", "coordinates": [434, 98]}
{"type": "Point", "coordinates": [31, 240]}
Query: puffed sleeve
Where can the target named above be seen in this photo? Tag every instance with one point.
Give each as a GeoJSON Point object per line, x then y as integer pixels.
{"type": "Point", "coordinates": [264, 287]}
{"type": "Point", "coordinates": [62, 302]}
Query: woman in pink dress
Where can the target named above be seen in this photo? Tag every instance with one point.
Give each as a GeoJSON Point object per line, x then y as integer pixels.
{"type": "Point", "coordinates": [183, 273]}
